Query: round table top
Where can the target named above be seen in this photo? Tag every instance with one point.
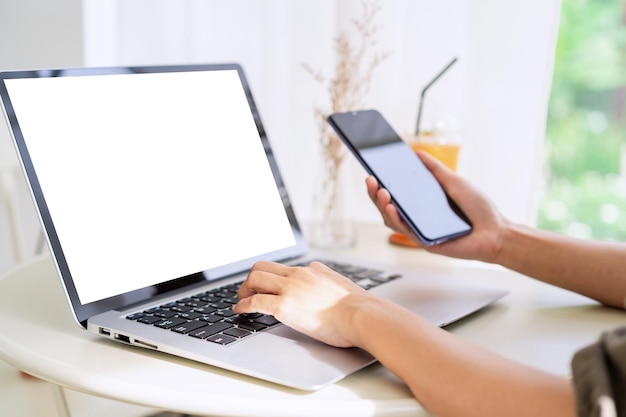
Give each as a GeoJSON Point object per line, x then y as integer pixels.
{"type": "Point", "coordinates": [39, 336]}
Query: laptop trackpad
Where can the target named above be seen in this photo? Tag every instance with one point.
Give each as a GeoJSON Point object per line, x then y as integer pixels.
{"type": "Point", "coordinates": [289, 333]}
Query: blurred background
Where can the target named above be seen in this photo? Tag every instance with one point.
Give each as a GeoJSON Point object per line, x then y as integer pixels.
{"type": "Point", "coordinates": [585, 188]}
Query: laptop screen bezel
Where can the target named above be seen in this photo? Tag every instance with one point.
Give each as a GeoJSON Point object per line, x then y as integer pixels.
{"type": "Point", "coordinates": [82, 312]}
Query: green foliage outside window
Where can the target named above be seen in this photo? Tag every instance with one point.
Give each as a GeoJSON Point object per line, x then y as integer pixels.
{"type": "Point", "coordinates": [585, 145]}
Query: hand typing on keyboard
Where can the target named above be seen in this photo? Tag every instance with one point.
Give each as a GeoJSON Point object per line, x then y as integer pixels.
{"type": "Point", "coordinates": [312, 299]}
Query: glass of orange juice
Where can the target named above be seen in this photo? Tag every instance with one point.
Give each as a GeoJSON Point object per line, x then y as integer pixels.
{"type": "Point", "coordinates": [443, 147]}
{"type": "Point", "coordinates": [446, 151]}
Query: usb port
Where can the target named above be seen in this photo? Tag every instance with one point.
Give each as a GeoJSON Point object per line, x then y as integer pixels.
{"type": "Point", "coordinates": [105, 332]}
{"type": "Point", "coordinates": [122, 338]}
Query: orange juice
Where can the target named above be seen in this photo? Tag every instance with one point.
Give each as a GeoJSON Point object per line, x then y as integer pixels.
{"type": "Point", "coordinates": [448, 153]}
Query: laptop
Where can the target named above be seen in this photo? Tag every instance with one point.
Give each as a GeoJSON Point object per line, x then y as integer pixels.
{"type": "Point", "coordinates": [157, 190]}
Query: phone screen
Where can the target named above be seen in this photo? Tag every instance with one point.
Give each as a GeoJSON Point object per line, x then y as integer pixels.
{"type": "Point", "coordinates": [419, 198]}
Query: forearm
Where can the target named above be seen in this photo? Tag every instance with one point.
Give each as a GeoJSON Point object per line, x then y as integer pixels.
{"type": "Point", "coordinates": [452, 377]}
{"type": "Point", "coordinates": [592, 268]}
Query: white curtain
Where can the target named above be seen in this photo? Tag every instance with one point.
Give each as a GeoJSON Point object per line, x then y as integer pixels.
{"type": "Point", "coordinates": [497, 92]}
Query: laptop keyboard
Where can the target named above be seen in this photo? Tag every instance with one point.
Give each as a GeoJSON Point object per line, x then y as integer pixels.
{"type": "Point", "coordinates": [208, 315]}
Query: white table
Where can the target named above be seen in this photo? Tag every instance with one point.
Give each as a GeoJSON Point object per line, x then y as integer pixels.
{"type": "Point", "coordinates": [536, 324]}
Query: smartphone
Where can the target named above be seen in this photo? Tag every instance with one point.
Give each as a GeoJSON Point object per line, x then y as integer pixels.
{"type": "Point", "coordinates": [419, 198]}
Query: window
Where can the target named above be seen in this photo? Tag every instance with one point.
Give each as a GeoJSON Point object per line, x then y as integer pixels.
{"type": "Point", "coordinates": [585, 144]}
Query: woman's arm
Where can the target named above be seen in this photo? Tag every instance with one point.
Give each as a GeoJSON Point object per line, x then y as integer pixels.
{"type": "Point", "coordinates": [453, 377]}
{"type": "Point", "coordinates": [448, 375]}
{"type": "Point", "coordinates": [592, 268]}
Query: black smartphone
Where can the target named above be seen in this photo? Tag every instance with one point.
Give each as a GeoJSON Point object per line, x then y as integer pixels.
{"type": "Point", "coordinates": [419, 198]}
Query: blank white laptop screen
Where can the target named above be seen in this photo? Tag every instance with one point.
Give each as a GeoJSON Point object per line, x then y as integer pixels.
{"type": "Point", "coordinates": [118, 215]}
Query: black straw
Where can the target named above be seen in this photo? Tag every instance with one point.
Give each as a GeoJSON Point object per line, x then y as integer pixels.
{"type": "Point", "coordinates": [419, 111]}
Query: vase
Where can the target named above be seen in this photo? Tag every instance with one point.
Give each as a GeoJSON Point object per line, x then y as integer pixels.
{"type": "Point", "coordinates": [332, 225]}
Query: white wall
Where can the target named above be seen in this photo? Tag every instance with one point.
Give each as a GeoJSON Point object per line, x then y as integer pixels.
{"type": "Point", "coordinates": [33, 34]}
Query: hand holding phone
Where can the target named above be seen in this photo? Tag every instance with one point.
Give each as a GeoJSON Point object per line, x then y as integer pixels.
{"type": "Point", "coordinates": [421, 202]}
